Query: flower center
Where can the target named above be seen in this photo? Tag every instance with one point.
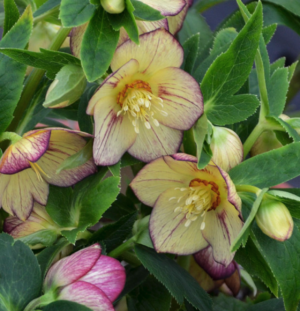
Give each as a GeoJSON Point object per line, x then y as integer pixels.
{"type": "Point", "coordinates": [38, 170]}
{"type": "Point", "coordinates": [141, 106]}
{"type": "Point", "coordinates": [199, 198]}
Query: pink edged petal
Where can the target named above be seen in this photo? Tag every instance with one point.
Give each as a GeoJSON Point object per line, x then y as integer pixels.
{"type": "Point", "coordinates": [154, 179]}
{"type": "Point", "coordinates": [76, 36]}
{"type": "Point", "coordinates": [144, 27]}
{"type": "Point", "coordinates": [157, 50]}
{"type": "Point", "coordinates": [183, 164]}
{"type": "Point", "coordinates": [72, 268]}
{"type": "Point", "coordinates": [168, 231]}
{"type": "Point", "coordinates": [108, 275]}
{"type": "Point", "coordinates": [176, 22]}
{"type": "Point", "coordinates": [184, 157]}
{"type": "Point", "coordinates": [222, 227]}
{"type": "Point", "coordinates": [11, 223]}
{"type": "Point", "coordinates": [87, 295]}
{"type": "Point", "coordinates": [30, 148]}
{"type": "Point", "coordinates": [166, 7]}
{"type": "Point", "coordinates": [21, 190]}
{"type": "Point", "coordinates": [153, 143]}
{"type": "Point", "coordinates": [181, 95]}
{"type": "Point", "coordinates": [114, 84]}
{"type": "Point", "coordinates": [114, 135]}
{"type": "Point", "coordinates": [217, 271]}
{"type": "Point", "coordinates": [25, 228]}
{"type": "Point", "coordinates": [62, 145]}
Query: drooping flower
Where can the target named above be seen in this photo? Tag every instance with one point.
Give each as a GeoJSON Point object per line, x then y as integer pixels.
{"type": "Point", "coordinates": [38, 231]}
{"type": "Point", "coordinates": [275, 220]}
{"type": "Point", "coordinates": [226, 147]}
{"type": "Point", "coordinates": [146, 103]}
{"type": "Point", "coordinates": [192, 208]}
{"type": "Point", "coordinates": [29, 165]}
{"type": "Point", "coordinates": [86, 277]}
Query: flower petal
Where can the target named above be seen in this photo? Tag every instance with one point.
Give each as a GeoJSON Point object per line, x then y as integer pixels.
{"type": "Point", "coordinates": [234, 281]}
{"type": "Point", "coordinates": [155, 142]}
{"type": "Point", "coordinates": [21, 190]}
{"type": "Point", "coordinates": [168, 231]}
{"type": "Point", "coordinates": [222, 227]}
{"type": "Point", "coordinates": [76, 37]}
{"type": "Point", "coordinates": [176, 22]}
{"type": "Point", "coordinates": [108, 275]}
{"type": "Point", "coordinates": [10, 223]}
{"type": "Point", "coordinates": [154, 179]}
{"type": "Point", "coordinates": [114, 84]}
{"type": "Point", "coordinates": [114, 135]}
{"type": "Point", "coordinates": [72, 268]}
{"type": "Point", "coordinates": [171, 7]}
{"type": "Point", "coordinates": [157, 50]}
{"type": "Point", "coordinates": [217, 271]}
{"type": "Point", "coordinates": [87, 295]}
{"type": "Point", "coordinates": [62, 145]}
{"type": "Point", "coordinates": [181, 95]}
{"type": "Point", "coordinates": [30, 148]}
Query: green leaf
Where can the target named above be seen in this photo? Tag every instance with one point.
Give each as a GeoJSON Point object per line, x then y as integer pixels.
{"type": "Point", "coordinates": [98, 45]}
{"type": "Point", "coordinates": [78, 158]}
{"type": "Point", "coordinates": [129, 160]}
{"type": "Point", "coordinates": [20, 280]}
{"type": "Point", "coordinates": [268, 169]}
{"type": "Point", "coordinates": [200, 131]}
{"type": "Point", "coordinates": [74, 13]}
{"type": "Point", "coordinates": [292, 133]}
{"type": "Point", "coordinates": [62, 305]}
{"type": "Point", "coordinates": [283, 258]}
{"type": "Point", "coordinates": [11, 15]}
{"type": "Point", "coordinates": [242, 238]}
{"type": "Point", "coordinates": [290, 5]}
{"type": "Point", "coordinates": [150, 295]}
{"type": "Point", "coordinates": [51, 61]}
{"type": "Point", "coordinates": [203, 5]}
{"type": "Point", "coordinates": [225, 303]}
{"type": "Point", "coordinates": [115, 169]}
{"type": "Point", "coordinates": [191, 49]}
{"type": "Point", "coordinates": [45, 238]}
{"type": "Point", "coordinates": [268, 32]}
{"type": "Point", "coordinates": [145, 12]}
{"type": "Point", "coordinates": [11, 72]}
{"type": "Point", "coordinates": [47, 6]}
{"type": "Point", "coordinates": [177, 280]}
{"type": "Point", "coordinates": [269, 305]}
{"type": "Point", "coordinates": [114, 234]}
{"type": "Point", "coordinates": [232, 109]}
{"type": "Point", "coordinates": [126, 19]}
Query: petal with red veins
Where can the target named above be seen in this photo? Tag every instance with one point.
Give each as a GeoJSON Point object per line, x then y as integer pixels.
{"type": "Point", "coordinates": [72, 268]}
{"type": "Point", "coordinates": [155, 142]}
{"type": "Point", "coordinates": [114, 135]}
{"type": "Point", "coordinates": [176, 22]}
{"type": "Point", "coordinates": [168, 231]}
{"type": "Point", "coordinates": [217, 271]}
{"type": "Point", "coordinates": [181, 95]}
{"type": "Point", "coordinates": [222, 226]}
{"type": "Point", "coordinates": [87, 295]}
{"type": "Point", "coordinates": [108, 275]}
{"type": "Point", "coordinates": [167, 8]}
{"type": "Point", "coordinates": [157, 50]}
{"type": "Point", "coordinates": [11, 223]}
{"type": "Point", "coordinates": [29, 148]}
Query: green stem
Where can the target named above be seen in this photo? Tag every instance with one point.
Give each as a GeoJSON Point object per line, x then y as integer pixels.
{"type": "Point", "coordinates": [13, 137]}
{"type": "Point", "coordinates": [253, 138]}
{"type": "Point", "coordinates": [248, 188]}
{"type": "Point", "coordinates": [45, 15]}
{"type": "Point", "coordinates": [122, 248]}
{"type": "Point", "coordinates": [130, 258]}
{"type": "Point", "coordinates": [34, 80]}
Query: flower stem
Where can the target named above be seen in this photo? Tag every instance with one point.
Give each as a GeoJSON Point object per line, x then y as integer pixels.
{"type": "Point", "coordinates": [13, 137]}
{"type": "Point", "coordinates": [252, 138]}
{"type": "Point", "coordinates": [130, 258]}
{"type": "Point", "coordinates": [34, 80]}
{"type": "Point", "coordinates": [248, 188]}
{"type": "Point", "coordinates": [122, 248]}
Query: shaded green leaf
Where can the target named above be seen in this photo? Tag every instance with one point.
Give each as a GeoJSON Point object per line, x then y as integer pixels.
{"type": "Point", "coordinates": [290, 5]}
{"type": "Point", "coordinates": [11, 15]}
{"type": "Point", "coordinates": [268, 32]}
{"type": "Point", "coordinates": [62, 305]}
{"type": "Point", "coordinates": [191, 49]}
{"type": "Point", "coordinates": [47, 6]}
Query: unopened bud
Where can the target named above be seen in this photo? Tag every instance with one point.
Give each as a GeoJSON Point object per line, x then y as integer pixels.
{"type": "Point", "coordinates": [67, 88]}
{"type": "Point", "coordinates": [275, 220]}
{"type": "Point", "coordinates": [267, 141]}
{"type": "Point", "coordinates": [113, 6]}
{"type": "Point", "coordinates": [226, 147]}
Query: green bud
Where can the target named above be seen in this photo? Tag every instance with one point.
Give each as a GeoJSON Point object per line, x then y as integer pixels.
{"type": "Point", "coordinates": [113, 6]}
{"type": "Point", "coordinates": [67, 88]}
{"type": "Point", "coordinates": [275, 220]}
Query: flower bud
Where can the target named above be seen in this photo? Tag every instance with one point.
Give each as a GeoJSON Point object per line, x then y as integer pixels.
{"type": "Point", "coordinates": [226, 147]}
{"type": "Point", "coordinates": [67, 87]}
{"type": "Point", "coordinates": [275, 220]}
{"type": "Point", "coordinates": [113, 6]}
{"type": "Point", "coordinates": [267, 141]}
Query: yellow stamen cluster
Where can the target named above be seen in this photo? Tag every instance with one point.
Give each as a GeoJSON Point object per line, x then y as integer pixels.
{"type": "Point", "coordinates": [139, 103]}
{"type": "Point", "coordinates": [199, 198]}
{"type": "Point", "coordinates": [38, 170]}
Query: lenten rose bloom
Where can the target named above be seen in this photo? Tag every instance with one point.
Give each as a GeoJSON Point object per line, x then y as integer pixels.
{"type": "Point", "coordinates": [86, 277]}
{"type": "Point", "coordinates": [193, 208]}
{"type": "Point", "coordinates": [29, 165]}
{"type": "Point", "coordinates": [146, 103]}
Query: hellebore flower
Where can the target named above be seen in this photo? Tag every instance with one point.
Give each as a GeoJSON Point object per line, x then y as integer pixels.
{"type": "Point", "coordinates": [113, 6]}
{"type": "Point", "coordinates": [226, 147]}
{"type": "Point", "coordinates": [86, 277]}
{"type": "Point", "coordinates": [275, 220]}
{"type": "Point", "coordinates": [29, 165]}
{"type": "Point", "coordinates": [193, 208]}
{"type": "Point", "coordinates": [39, 230]}
{"type": "Point", "coordinates": [212, 275]}
{"type": "Point", "coordinates": [146, 103]}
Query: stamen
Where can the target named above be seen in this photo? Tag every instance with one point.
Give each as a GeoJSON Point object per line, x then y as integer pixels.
{"type": "Point", "coordinates": [156, 123]}
{"type": "Point", "coordinates": [188, 222]}
{"type": "Point", "coordinates": [38, 170]}
{"type": "Point", "coordinates": [147, 125]}
{"type": "Point", "coordinates": [202, 226]}
{"type": "Point", "coordinates": [172, 198]}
